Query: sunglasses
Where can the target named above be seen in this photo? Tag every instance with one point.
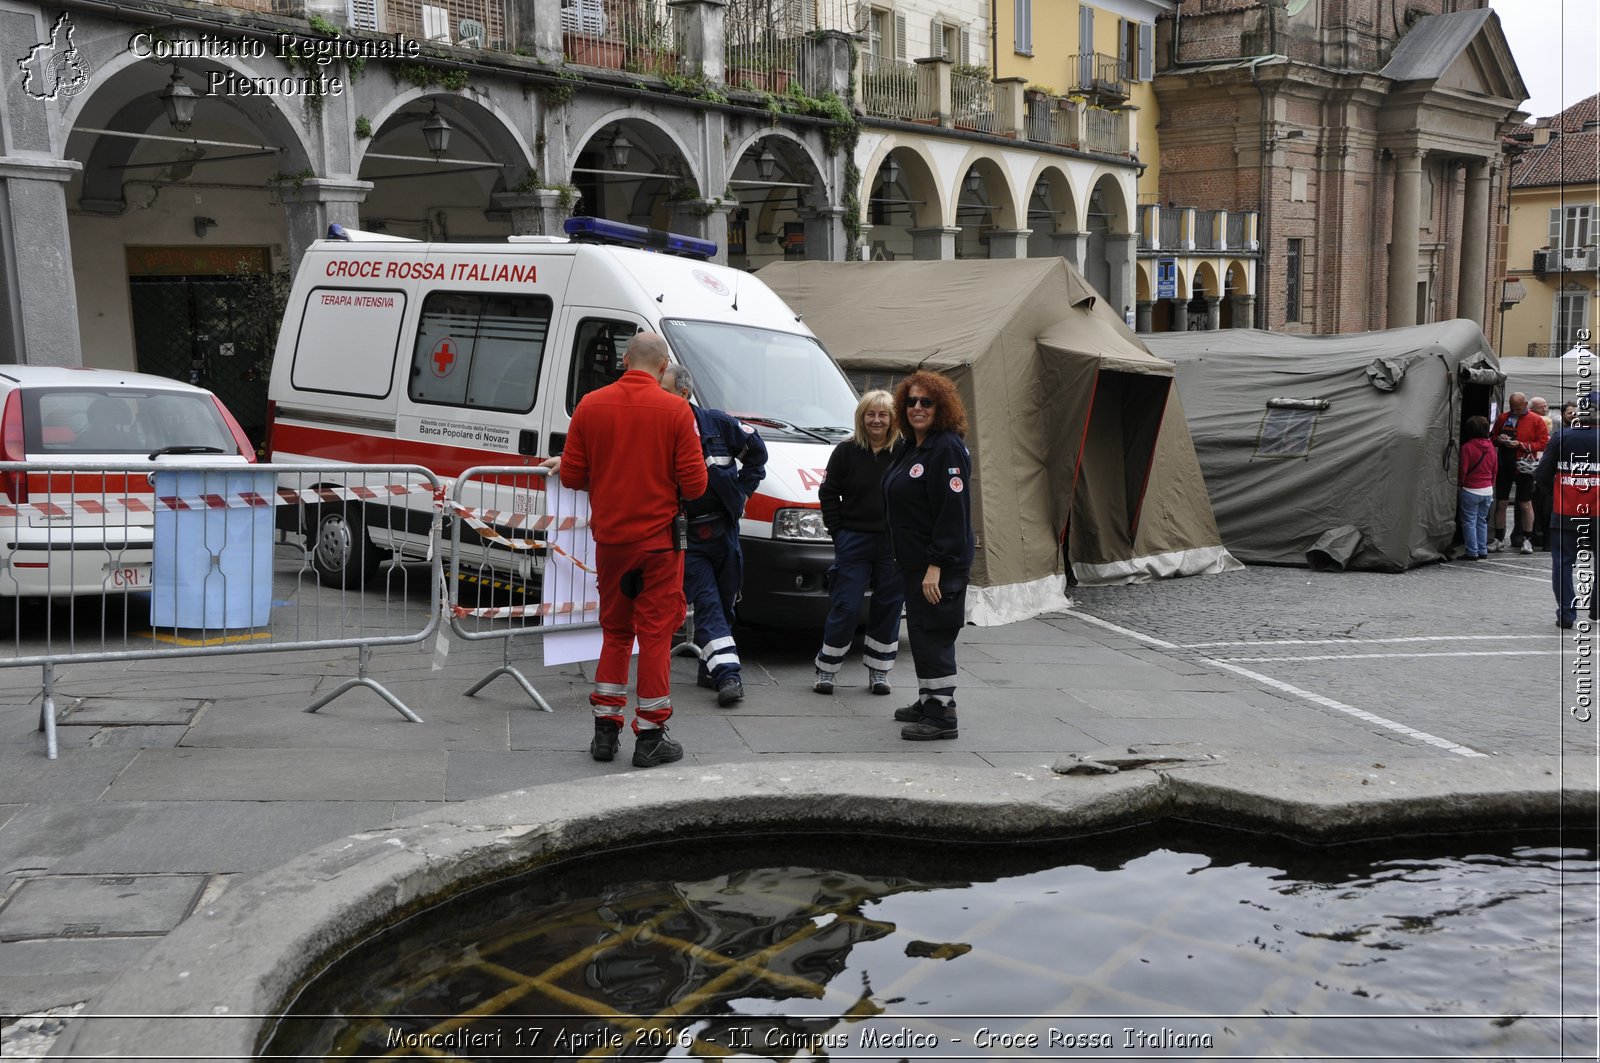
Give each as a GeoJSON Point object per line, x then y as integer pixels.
{"type": "Point", "coordinates": [921, 400]}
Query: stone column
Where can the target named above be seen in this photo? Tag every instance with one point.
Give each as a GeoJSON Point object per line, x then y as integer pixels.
{"type": "Point", "coordinates": [1403, 238]}
{"type": "Point", "coordinates": [1146, 310]}
{"type": "Point", "coordinates": [315, 204]}
{"type": "Point", "coordinates": [1474, 244]}
{"type": "Point", "coordinates": [1244, 311]}
{"type": "Point", "coordinates": [935, 243]}
{"type": "Point", "coordinates": [705, 218]}
{"type": "Point", "coordinates": [825, 66]}
{"type": "Point", "coordinates": [535, 29]}
{"type": "Point", "coordinates": [38, 295]}
{"type": "Point", "coordinates": [1121, 251]}
{"type": "Point", "coordinates": [1071, 246]}
{"type": "Point", "coordinates": [1009, 243]}
{"type": "Point", "coordinates": [703, 36]}
{"type": "Point", "coordinates": [825, 241]}
{"type": "Point", "coordinates": [1010, 107]}
{"type": "Point", "coordinates": [933, 87]}
{"type": "Point", "coordinates": [1213, 312]}
{"type": "Point", "coordinates": [536, 213]}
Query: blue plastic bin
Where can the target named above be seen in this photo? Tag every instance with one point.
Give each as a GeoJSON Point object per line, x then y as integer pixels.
{"type": "Point", "coordinates": [212, 567]}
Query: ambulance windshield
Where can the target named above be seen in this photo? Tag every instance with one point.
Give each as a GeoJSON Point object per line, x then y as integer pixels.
{"type": "Point", "coordinates": [760, 373]}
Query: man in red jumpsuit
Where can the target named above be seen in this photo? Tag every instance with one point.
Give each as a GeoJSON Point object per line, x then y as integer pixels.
{"type": "Point", "coordinates": [635, 449]}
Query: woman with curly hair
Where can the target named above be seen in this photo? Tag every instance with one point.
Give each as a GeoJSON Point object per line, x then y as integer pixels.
{"type": "Point", "coordinates": [928, 497]}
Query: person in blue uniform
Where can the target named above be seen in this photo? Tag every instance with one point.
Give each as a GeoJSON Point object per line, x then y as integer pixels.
{"type": "Point", "coordinates": [928, 497]}
{"type": "Point", "coordinates": [713, 568]}
{"type": "Point", "coordinates": [852, 509]}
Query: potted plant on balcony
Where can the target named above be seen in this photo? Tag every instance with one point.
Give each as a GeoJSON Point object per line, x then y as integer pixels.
{"type": "Point", "coordinates": [595, 51]}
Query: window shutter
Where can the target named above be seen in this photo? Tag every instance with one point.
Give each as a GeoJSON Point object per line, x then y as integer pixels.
{"type": "Point", "coordinates": [936, 38]}
{"type": "Point", "coordinates": [901, 49]}
{"type": "Point", "coordinates": [1147, 51]}
{"type": "Point", "coordinates": [1555, 229]}
{"type": "Point", "coordinates": [966, 46]}
{"type": "Point", "coordinates": [1022, 17]}
{"type": "Point", "coordinates": [363, 14]}
{"type": "Point", "coordinates": [1124, 60]}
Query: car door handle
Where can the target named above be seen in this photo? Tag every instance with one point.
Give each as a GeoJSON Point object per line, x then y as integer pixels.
{"type": "Point", "coordinates": [527, 441]}
{"type": "Point", "coordinates": [558, 443]}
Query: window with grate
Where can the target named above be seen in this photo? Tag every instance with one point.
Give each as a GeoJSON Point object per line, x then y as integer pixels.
{"type": "Point", "coordinates": [1288, 427]}
{"type": "Point", "coordinates": [1291, 282]}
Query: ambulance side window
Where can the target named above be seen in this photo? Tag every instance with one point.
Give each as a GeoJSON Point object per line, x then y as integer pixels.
{"type": "Point", "coordinates": [479, 349]}
{"type": "Point", "coordinates": [597, 356]}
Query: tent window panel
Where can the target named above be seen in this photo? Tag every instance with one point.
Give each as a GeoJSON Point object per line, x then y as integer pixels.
{"type": "Point", "coordinates": [1286, 432]}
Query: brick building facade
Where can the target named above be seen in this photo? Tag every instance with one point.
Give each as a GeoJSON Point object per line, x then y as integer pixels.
{"type": "Point", "coordinates": [1368, 135]}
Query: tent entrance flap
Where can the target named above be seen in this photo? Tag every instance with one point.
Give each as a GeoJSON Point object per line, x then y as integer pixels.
{"type": "Point", "coordinates": [1119, 450]}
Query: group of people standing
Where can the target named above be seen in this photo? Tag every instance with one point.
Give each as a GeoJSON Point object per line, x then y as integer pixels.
{"type": "Point", "coordinates": [1525, 459]}
{"type": "Point", "coordinates": [668, 482]}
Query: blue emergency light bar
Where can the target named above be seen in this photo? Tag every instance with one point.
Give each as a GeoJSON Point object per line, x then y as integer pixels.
{"type": "Point", "coordinates": [336, 232]}
{"type": "Point", "coordinates": [601, 231]}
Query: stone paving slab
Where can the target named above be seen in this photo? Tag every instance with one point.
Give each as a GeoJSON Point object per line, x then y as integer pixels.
{"type": "Point", "coordinates": [350, 774]}
{"type": "Point", "coordinates": [154, 737]}
{"type": "Point", "coordinates": [98, 905]}
{"type": "Point", "coordinates": [163, 710]}
{"type": "Point", "coordinates": [26, 777]}
{"type": "Point", "coordinates": [35, 975]}
{"type": "Point", "coordinates": [359, 720]}
{"type": "Point", "coordinates": [132, 837]}
{"type": "Point", "coordinates": [1169, 704]}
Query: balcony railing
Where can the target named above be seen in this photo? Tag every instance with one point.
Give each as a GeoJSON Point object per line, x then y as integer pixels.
{"type": "Point", "coordinates": [463, 23]}
{"type": "Point", "coordinates": [1566, 260]}
{"type": "Point", "coordinates": [632, 35]}
{"type": "Point", "coordinates": [1170, 226]}
{"type": "Point", "coordinates": [1205, 230]}
{"type": "Point", "coordinates": [1105, 131]}
{"type": "Point", "coordinates": [1102, 76]}
{"type": "Point", "coordinates": [972, 103]}
{"type": "Point", "coordinates": [1236, 231]}
{"type": "Point", "coordinates": [1162, 231]}
{"type": "Point", "coordinates": [889, 89]}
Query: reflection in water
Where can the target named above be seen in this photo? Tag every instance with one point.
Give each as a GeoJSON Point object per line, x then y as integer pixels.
{"type": "Point", "coordinates": [1122, 944]}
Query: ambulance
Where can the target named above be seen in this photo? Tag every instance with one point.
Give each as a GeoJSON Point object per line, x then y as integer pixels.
{"type": "Point", "coordinates": [453, 355]}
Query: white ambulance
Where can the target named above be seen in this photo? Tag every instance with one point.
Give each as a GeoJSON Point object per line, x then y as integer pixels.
{"type": "Point", "coordinates": [454, 355]}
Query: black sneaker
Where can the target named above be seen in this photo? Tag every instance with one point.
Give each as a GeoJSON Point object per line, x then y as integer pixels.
{"type": "Point", "coordinates": [730, 690]}
{"type": "Point", "coordinates": [653, 747]}
{"type": "Point", "coordinates": [910, 714]}
{"type": "Point", "coordinates": [604, 744]}
{"type": "Point", "coordinates": [824, 682]}
{"type": "Point", "coordinates": [928, 730]}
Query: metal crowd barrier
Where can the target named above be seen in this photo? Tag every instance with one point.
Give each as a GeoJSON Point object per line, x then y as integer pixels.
{"type": "Point", "coordinates": [177, 559]}
{"type": "Point", "coordinates": [521, 563]}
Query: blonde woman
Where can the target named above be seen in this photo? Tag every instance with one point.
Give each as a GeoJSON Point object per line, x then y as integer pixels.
{"type": "Point", "coordinates": [863, 557]}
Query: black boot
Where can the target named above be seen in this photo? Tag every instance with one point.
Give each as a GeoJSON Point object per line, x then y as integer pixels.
{"type": "Point", "coordinates": [653, 747]}
{"type": "Point", "coordinates": [604, 744]}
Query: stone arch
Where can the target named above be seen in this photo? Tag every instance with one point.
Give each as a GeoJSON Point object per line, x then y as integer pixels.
{"type": "Point", "coordinates": [1113, 196]}
{"type": "Point", "coordinates": [1052, 213]}
{"type": "Point", "coordinates": [125, 99]}
{"type": "Point", "coordinates": [1240, 278]}
{"type": "Point", "coordinates": [996, 185]}
{"type": "Point", "coordinates": [1206, 280]}
{"type": "Point", "coordinates": [917, 180]}
{"type": "Point", "coordinates": [664, 162]}
{"type": "Point", "coordinates": [489, 126]}
{"type": "Point", "coordinates": [770, 214]}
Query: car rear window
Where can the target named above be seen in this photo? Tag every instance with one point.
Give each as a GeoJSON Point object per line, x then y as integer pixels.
{"type": "Point", "coordinates": [67, 421]}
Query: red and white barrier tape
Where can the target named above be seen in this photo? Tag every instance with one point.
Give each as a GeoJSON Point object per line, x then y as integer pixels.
{"type": "Point", "coordinates": [498, 612]}
{"type": "Point", "coordinates": [152, 503]}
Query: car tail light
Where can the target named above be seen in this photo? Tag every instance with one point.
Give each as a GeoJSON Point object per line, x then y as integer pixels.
{"type": "Point", "coordinates": [272, 415]}
{"type": "Point", "coordinates": [246, 447]}
{"type": "Point", "coordinates": [12, 447]}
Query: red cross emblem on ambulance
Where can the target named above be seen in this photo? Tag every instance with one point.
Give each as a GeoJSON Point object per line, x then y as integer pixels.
{"type": "Point", "coordinates": [443, 357]}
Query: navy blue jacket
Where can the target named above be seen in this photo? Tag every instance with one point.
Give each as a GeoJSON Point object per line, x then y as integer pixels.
{"type": "Point", "coordinates": [736, 461]}
{"type": "Point", "coordinates": [928, 496]}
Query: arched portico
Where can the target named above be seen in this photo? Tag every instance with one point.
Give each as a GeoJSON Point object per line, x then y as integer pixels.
{"type": "Point", "coordinates": [782, 196]}
{"type": "Point", "coordinates": [905, 207]}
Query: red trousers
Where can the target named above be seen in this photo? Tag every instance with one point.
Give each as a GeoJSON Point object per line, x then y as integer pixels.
{"type": "Point", "coordinates": [652, 616]}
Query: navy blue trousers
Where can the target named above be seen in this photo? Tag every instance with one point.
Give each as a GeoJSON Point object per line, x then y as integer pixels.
{"type": "Point", "coordinates": [933, 630]}
{"type": "Point", "coordinates": [862, 560]}
{"type": "Point", "coordinates": [713, 569]}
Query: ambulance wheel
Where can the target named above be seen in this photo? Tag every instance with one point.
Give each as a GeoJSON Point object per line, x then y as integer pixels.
{"type": "Point", "coordinates": [341, 551]}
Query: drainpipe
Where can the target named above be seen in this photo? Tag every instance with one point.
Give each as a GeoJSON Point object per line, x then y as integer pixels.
{"type": "Point", "coordinates": [1263, 270]}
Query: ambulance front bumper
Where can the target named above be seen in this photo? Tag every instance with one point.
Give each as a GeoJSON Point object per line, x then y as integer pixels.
{"type": "Point", "coordinates": [784, 583]}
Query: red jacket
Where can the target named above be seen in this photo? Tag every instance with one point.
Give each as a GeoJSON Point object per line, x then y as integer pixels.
{"type": "Point", "coordinates": [1533, 433]}
{"type": "Point", "coordinates": [635, 448]}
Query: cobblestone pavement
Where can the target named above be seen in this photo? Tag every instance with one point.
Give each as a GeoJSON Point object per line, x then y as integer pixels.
{"type": "Point", "coordinates": [1467, 652]}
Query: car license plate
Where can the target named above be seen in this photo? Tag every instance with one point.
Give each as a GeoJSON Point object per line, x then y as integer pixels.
{"type": "Point", "coordinates": [128, 577]}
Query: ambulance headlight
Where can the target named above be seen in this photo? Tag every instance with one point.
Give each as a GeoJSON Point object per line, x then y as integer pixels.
{"type": "Point", "coordinates": [803, 525]}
